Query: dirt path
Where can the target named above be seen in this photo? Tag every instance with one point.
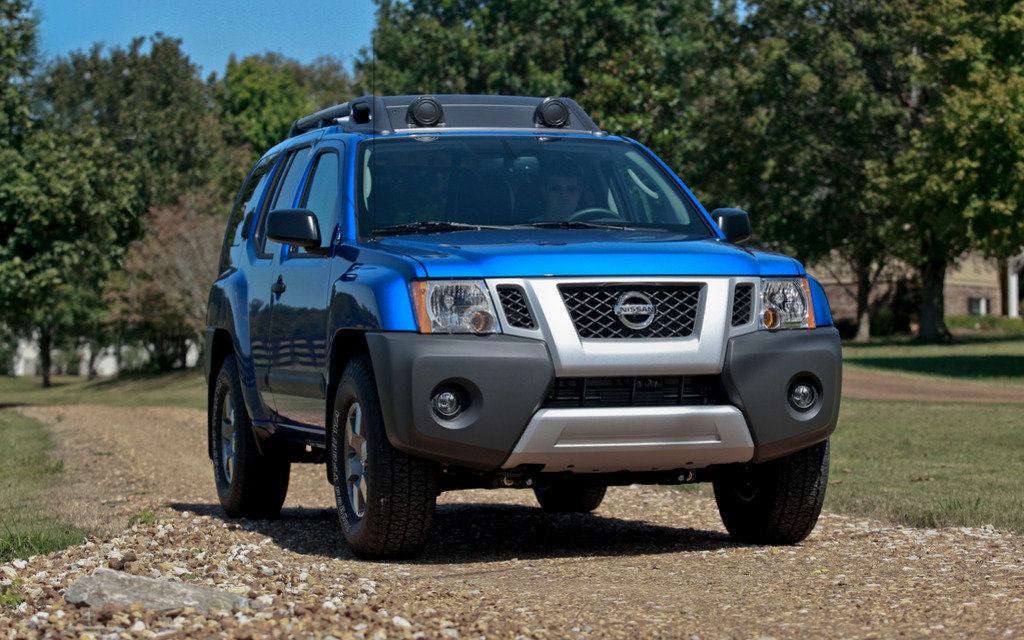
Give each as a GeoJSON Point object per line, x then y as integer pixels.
{"type": "Point", "coordinates": [652, 562]}
{"type": "Point", "coordinates": [867, 384]}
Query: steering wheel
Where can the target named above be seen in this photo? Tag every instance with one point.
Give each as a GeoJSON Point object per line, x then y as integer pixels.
{"type": "Point", "coordinates": [591, 214]}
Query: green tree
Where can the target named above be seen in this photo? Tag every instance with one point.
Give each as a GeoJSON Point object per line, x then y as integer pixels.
{"type": "Point", "coordinates": [525, 47]}
{"type": "Point", "coordinates": [650, 81]}
{"type": "Point", "coordinates": [146, 99]}
{"type": "Point", "coordinates": [961, 177]}
{"type": "Point", "coordinates": [17, 60]}
{"type": "Point", "coordinates": [67, 212]}
{"type": "Point", "coordinates": [871, 132]}
{"type": "Point", "coordinates": [261, 95]}
{"type": "Point", "coordinates": [259, 99]}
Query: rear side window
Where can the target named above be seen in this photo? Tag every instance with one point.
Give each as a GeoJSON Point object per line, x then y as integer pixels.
{"type": "Point", "coordinates": [245, 209]}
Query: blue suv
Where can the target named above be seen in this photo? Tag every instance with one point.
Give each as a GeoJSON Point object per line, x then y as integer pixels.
{"type": "Point", "coordinates": [430, 293]}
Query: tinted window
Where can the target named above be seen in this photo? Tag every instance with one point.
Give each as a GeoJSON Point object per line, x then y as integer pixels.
{"type": "Point", "coordinates": [510, 180]}
{"type": "Point", "coordinates": [285, 193]}
{"type": "Point", "coordinates": [322, 196]}
{"type": "Point", "coordinates": [245, 209]}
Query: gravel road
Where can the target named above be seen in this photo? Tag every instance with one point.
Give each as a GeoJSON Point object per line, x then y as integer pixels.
{"type": "Point", "coordinates": [651, 562]}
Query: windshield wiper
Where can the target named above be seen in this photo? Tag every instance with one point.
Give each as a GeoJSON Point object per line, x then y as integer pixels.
{"type": "Point", "coordinates": [573, 224]}
{"type": "Point", "coordinates": [430, 226]}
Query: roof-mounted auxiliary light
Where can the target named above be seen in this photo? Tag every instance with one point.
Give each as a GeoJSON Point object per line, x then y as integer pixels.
{"type": "Point", "coordinates": [362, 113]}
{"type": "Point", "coordinates": [552, 113]}
{"type": "Point", "coordinates": [425, 111]}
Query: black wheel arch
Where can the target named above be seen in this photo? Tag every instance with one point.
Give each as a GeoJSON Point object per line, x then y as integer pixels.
{"type": "Point", "coordinates": [346, 345]}
{"type": "Point", "coordinates": [219, 349]}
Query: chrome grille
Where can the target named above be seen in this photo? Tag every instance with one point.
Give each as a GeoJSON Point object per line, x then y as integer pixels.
{"type": "Point", "coordinates": [742, 304]}
{"type": "Point", "coordinates": [517, 312]}
{"type": "Point", "coordinates": [592, 309]}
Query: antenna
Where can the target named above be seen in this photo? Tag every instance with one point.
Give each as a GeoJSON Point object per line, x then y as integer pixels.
{"type": "Point", "coordinates": [373, 130]}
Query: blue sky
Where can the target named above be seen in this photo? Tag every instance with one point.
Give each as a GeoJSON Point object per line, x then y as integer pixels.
{"type": "Point", "coordinates": [211, 30]}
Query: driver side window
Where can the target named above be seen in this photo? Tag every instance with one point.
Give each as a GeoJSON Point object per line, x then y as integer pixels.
{"type": "Point", "coordinates": [322, 198]}
{"type": "Point", "coordinates": [285, 194]}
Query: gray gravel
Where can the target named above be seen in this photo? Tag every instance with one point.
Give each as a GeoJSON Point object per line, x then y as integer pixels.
{"type": "Point", "coordinates": [651, 562]}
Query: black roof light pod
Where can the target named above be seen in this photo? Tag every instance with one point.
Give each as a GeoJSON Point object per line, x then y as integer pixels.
{"type": "Point", "coordinates": [425, 111]}
{"type": "Point", "coordinates": [552, 112]}
{"type": "Point", "coordinates": [390, 114]}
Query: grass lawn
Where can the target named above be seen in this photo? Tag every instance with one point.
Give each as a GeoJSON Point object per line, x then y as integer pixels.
{"type": "Point", "coordinates": [997, 360]}
{"type": "Point", "coordinates": [26, 470]}
{"type": "Point", "coordinates": [176, 389]}
{"type": "Point", "coordinates": [929, 464]}
{"type": "Point", "coordinates": [26, 473]}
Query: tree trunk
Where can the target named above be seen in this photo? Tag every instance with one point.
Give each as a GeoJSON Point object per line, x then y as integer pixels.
{"type": "Point", "coordinates": [45, 345]}
{"type": "Point", "coordinates": [1004, 300]}
{"type": "Point", "coordinates": [932, 317]}
{"type": "Point", "coordinates": [863, 303]}
{"type": "Point", "coordinates": [90, 371]}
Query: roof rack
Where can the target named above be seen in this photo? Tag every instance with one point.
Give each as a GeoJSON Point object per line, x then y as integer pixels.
{"type": "Point", "coordinates": [391, 114]}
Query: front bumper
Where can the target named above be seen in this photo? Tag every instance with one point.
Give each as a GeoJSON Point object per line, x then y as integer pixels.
{"type": "Point", "coordinates": [504, 381]}
{"type": "Point", "coordinates": [759, 370]}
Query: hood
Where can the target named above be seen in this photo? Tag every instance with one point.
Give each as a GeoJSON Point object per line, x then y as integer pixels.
{"type": "Point", "coordinates": [524, 253]}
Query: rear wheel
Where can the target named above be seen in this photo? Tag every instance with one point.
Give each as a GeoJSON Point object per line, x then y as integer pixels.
{"type": "Point", "coordinates": [775, 502]}
{"type": "Point", "coordinates": [249, 484]}
{"type": "Point", "coordinates": [570, 497]}
{"type": "Point", "coordinates": [386, 498]}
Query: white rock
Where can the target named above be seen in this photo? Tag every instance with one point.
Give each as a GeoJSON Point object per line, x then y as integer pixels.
{"type": "Point", "coordinates": [401, 622]}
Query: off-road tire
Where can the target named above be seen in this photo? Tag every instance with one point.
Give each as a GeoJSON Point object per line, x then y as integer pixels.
{"type": "Point", "coordinates": [569, 497]}
{"type": "Point", "coordinates": [775, 502]}
{"type": "Point", "coordinates": [249, 484]}
{"type": "Point", "coordinates": [386, 498]}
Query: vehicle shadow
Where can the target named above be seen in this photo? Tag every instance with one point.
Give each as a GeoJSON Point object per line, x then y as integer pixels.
{"type": "Point", "coordinates": [486, 532]}
{"type": "Point", "coordinates": [964, 367]}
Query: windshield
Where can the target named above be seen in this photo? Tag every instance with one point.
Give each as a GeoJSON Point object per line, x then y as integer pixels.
{"type": "Point", "coordinates": [445, 183]}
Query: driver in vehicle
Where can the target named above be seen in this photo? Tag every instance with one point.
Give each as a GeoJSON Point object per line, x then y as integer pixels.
{"type": "Point", "coordinates": [561, 193]}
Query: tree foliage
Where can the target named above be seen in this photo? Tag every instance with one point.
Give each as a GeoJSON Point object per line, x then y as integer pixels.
{"type": "Point", "coordinates": [159, 300]}
{"type": "Point", "coordinates": [67, 212]}
{"type": "Point", "coordinates": [525, 47]}
{"type": "Point", "coordinates": [261, 95]}
{"type": "Point", "coordinates": [959, 180]}
{"type": "Point", "coordinates": [56, 210]}
{"type": "Point", "coordinates": [17, 60]}
{"type": "Point", "coordinates": [146, 99]}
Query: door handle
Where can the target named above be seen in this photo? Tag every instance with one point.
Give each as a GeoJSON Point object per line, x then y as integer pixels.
{"type": "Point", "coordinates": [278, 287]}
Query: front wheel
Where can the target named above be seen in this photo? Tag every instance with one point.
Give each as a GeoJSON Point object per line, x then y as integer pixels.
{"type": "Point", "coordinates": [775, 502]}
{"type": "Point", "coordinates": [249, 484]}
{"type": "Point", "coordinates": [386, 498]}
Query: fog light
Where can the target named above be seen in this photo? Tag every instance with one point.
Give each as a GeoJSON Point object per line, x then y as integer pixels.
{"type": "Point", "coordinates": [802, 396]}
{"type": "Point", "coordinates": [447, 404]}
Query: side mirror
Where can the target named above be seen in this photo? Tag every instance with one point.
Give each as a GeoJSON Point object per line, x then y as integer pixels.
{"type": "Point", "coordinates": [297, 227]}
{"type": "Point", "coordinates": [734, 223]}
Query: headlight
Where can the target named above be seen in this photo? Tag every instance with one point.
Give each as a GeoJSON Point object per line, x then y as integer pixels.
{"type": "Point", "coordinates": [454, 306]}
{"type": "Point", "coordinates": [785, 304]}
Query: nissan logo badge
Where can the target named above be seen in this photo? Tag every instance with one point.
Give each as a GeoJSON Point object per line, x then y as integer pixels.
{"type": "Point", "coordinates": [636, 310]}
